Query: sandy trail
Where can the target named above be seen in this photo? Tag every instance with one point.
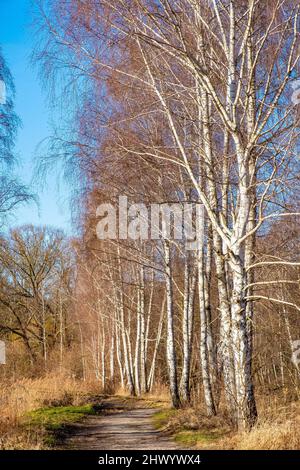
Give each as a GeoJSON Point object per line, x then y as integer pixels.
{"type": "Point", "coordinates": [120, 428]}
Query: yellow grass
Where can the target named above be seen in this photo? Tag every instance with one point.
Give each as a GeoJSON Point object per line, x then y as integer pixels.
{"type": "Point", "coordinates": [278, 428]}
{"type": "Point", "coordinates": [271, 436]}
{"type": "Point", "coordinates": [22, 396]}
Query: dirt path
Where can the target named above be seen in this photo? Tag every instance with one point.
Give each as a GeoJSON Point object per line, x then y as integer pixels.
{"type": "Point", "coordinates": [121, 427]}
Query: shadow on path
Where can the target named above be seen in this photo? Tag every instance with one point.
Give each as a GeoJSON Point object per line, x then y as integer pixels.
{"type": "Point", "coordinates": [119, 429]}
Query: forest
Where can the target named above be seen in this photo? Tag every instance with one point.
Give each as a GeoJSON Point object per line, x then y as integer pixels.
{"type": "Point", "coordinates": [178, 130]}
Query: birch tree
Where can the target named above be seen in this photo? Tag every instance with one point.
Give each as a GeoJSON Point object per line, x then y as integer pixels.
{"type": "Point", "coordinates": [200, 89]}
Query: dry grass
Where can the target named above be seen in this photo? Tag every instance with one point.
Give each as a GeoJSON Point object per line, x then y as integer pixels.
{"type": "Point", "coordinates": [159, 392]}
{"type": "Point", "coordinates": [278, 428]}
{"type": "Point", "coordinates": [20, 397]}
{"type": "Point", "coordinates": [191, 427]}
{"type": "Point", "coordinates": [271, 436]}
{"type": "Point", "coordinates": [159, 397]}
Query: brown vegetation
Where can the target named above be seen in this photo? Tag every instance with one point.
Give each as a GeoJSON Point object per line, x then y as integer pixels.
{"type": "Point", "coordinates": [176, 102]}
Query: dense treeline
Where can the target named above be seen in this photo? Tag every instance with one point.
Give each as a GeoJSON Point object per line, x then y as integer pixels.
{"type": "Point", "coordinates": [35, 293]}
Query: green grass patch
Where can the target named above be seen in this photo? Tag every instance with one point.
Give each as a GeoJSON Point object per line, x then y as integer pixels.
{"type": "Point", "coordinates": [161, 418]}
{"type": "Point", "coordinates": [154, 404]}
{"type": "Point", "coordinates": [54, 420]}
{"type": "Point", "coordinates": [181, 433]}
{"type": "Point", "coordinates": [58, 416]}
{"type": "Point", "coordinates": [194, 437]}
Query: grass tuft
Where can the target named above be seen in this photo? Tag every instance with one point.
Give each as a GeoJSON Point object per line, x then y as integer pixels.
{"type": "Point", "coordinates": [194, 437]}
{"type": "Point", "coordinates": [57, 417]}
{"type": "Point", "coordinates": [55, 420]}
{"type": "Point", "coordinates": [161, 418]}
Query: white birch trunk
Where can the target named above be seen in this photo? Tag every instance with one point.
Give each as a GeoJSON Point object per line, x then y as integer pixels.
{"type": "Point", "coordinates": [187, 329]}
{"type": "Point", "coordinates": [126, 353]}
{"type": "Point", "coordinates": [156, 347]}
{"type": "Point", "coordinates": [225, 350]}
{"type": "Point", "coordinates": [103, 364]}
{"type": "Point", "coordinates": [186, 360]}
{"type": "Point", "coordinates": [137, 346]}
{"type": "Point", "coordinates": [143, 333]}
{"type": "Point", "coordinates": [112, 357]}
{"type": "Point", "coordinates": [119, 357]}
{"type": "Point", "coordinates": [205, 366]}
{"type": "Point", "coordinates": [171, 352]}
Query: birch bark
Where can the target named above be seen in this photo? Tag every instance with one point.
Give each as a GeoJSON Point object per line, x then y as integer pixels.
{"type": "Point", "coordinates": [171, 351]}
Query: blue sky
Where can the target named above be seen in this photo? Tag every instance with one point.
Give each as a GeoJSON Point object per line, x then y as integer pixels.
{"type": "Point", "coordinates": [17, 41]}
